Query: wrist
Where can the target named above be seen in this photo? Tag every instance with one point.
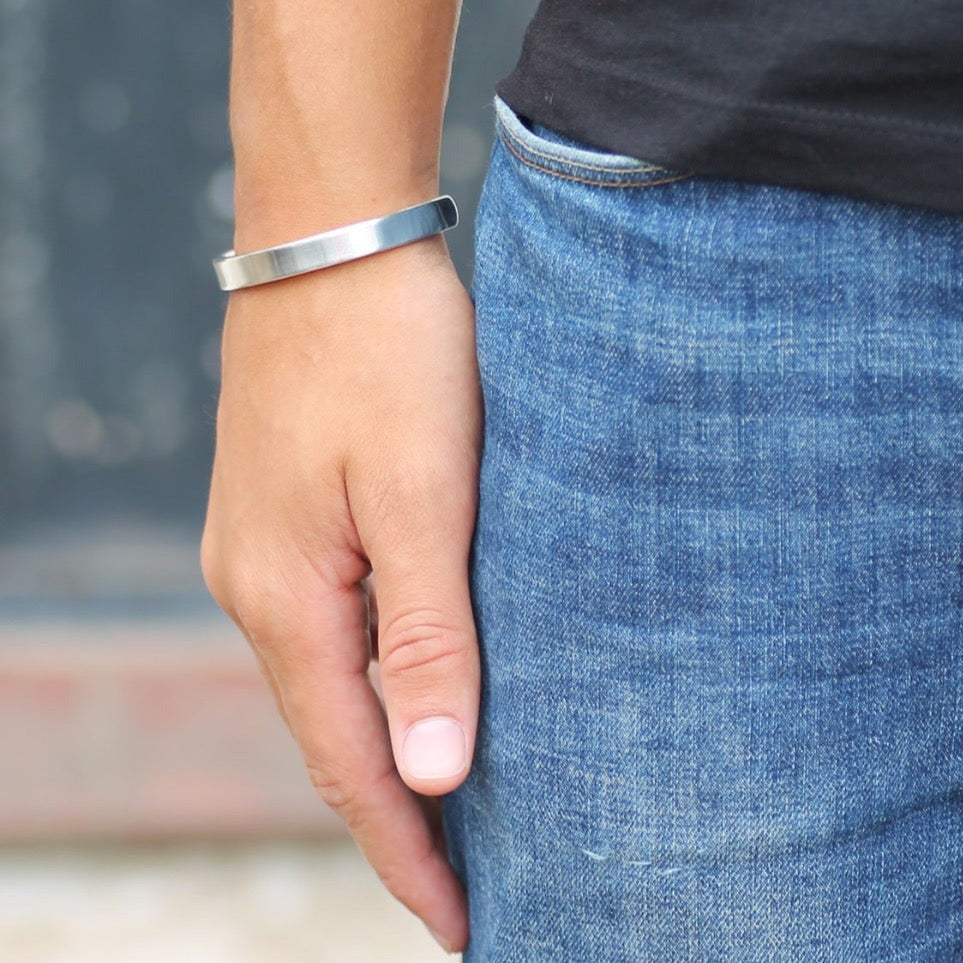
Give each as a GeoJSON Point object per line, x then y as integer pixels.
{"type": "Point", "coordinates": [276, 210]}
{"type": "Point", "coordinates": [361, 279]}
{"type": "Point", "coordinates": [327, 249]}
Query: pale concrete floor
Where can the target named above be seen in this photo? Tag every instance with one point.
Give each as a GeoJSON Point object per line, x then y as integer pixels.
{"type": "Point", "coordinates": [276, 902]}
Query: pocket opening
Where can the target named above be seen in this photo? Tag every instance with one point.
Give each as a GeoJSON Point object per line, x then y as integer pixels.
{"type": "Point", "coordinates": [553, 152]}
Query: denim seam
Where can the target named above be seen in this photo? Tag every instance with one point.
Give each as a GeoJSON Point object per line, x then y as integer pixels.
{"type": "Point", "coordinates": [640, 167]}
{"type": "Point", "coordinates": [598, 182]}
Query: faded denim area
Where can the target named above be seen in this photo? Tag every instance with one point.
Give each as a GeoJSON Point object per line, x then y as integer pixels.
{"type": "Point", "coordinates": [717, 572]}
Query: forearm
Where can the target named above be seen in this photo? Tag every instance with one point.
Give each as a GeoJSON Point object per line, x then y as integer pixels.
{"type": "Point", "coordinates": [336, 111]}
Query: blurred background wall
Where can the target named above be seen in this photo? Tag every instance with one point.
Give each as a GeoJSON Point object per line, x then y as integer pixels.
{"type": "Point", "coordinates": [115, 192]}
{"type": "Point", "coordinates": [130, 710]}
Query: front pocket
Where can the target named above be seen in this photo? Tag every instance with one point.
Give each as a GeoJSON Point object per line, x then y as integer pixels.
{"type": "Point", "coordinates": [562, 156]}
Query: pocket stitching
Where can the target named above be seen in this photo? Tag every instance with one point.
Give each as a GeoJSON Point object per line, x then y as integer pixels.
{"type": "Point", "coordinates": [639, 167]}
{"type": "Point", "coordinates": [509, 140]}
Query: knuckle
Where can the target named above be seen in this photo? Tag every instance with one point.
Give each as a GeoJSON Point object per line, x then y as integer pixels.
{"type": "Point", "coordinates": [417, 487]}
{"type": "Point", "coordinates": [354, 799]}
{"type": "Point", "coordinates": [210, 561]}
{"type": "Point", "coordinates": [233, 582]}
{"type": "Point", "coordinates": [250, 600]}
{"type": "Point", "coordinates": [416, 640]}
{"type": "Point", "coordinates": [336, 792]}
{"type": "Point", "coordinates": [214, 573]}
{"type": "Point", "coordinates": [270, 615]}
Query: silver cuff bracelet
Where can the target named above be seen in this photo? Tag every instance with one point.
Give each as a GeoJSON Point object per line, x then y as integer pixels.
{"type": "Point", "coordinates": [336, 246]}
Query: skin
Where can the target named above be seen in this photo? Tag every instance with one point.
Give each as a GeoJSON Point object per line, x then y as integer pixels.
{"type": "Point", "coordinates": [349, 423]}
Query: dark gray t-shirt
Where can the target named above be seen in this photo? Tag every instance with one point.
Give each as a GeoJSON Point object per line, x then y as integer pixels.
{"type": "Point", "coordinates": [853, 96]}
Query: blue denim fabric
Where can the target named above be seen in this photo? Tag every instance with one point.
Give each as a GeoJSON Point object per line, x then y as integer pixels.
{"type": "Point", "coordinates": [717, 571]}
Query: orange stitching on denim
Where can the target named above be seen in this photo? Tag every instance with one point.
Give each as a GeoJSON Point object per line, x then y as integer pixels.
{"type": "Point", "coordinates": [639, 167]}
{"type": "Point", "coordinates": [596, 182]}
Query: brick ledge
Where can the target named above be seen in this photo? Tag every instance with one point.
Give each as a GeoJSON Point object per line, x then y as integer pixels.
{"type": "Point", "coordinates": [143, 730]}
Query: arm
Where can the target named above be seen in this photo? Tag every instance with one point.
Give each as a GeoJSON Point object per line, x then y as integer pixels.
{"type": "Point", "coordinates": [336, 110]}
{"type": "Point", "coordinates": [349, 426]}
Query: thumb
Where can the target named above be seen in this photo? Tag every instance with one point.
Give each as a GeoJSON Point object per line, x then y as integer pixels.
{"type": "Point", "coordinates": [428, 654]}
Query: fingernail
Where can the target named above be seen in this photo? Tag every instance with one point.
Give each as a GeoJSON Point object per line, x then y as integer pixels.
{"type": "Point", "coordinates": [434, 749]}
{"type": "Point", "coordinates": [443, 943]}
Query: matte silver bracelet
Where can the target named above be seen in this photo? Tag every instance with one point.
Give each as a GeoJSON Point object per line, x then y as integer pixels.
{"type": "Point", "coordinates": [336, 246]}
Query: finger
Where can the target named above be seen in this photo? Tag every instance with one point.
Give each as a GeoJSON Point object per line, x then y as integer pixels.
{"type": "Point", "coordinates": [429, 663]}
{"type": "Point", "coordinates": [339, 724]}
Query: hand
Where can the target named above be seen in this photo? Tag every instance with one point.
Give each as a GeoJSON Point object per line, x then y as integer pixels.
{"type": "Point", "coordinates": [348, 441]}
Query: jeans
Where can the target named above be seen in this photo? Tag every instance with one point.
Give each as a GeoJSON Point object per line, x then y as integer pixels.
{"type": "Point", "coordinates": [717, 571]}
